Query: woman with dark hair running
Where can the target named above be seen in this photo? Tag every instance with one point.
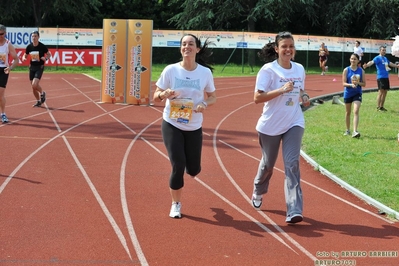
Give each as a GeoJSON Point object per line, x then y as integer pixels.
{"type": "Point", "coordinates": [280, 85]}
{"type": "Point", "coordinates": [183, 86]}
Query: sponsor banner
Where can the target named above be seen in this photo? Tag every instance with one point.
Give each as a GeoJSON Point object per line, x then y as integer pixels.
{"type": "Point", "coordinates": [114, 61]}
{"type": "Point", "coordinates": [68, 57]}
{"type": "Point", "coordinates": [139, 62]}
{"type": "Point", "coordinates": [20, 37]}
{"type": "Point", "coordinates": [256, 40]}
{"type": "Point", "coordinates": [71, 37]}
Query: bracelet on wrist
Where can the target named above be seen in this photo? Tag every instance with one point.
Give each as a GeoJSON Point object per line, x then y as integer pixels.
{"type": "Point", "coordinates": [204, 103]}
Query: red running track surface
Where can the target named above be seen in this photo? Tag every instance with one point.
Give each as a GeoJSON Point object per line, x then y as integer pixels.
{"type": "Point", "coordinates": [83, 183]}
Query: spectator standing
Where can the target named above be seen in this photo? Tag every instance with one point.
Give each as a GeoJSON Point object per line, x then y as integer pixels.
{"type": "Point", "coordinates": [359, 51]}
{"type": "Point", "coordinates": [353, 79]}
{"type": "Point", "coordinates": [382, 65]}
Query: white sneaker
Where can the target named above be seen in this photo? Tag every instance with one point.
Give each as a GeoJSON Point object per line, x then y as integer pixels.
{"type": "Point", "coordinates": [257, 200]}
{"type": "Point", "coordinates": [293, 219]}
{"type": "Point", "coordinates": [355, 134]}
{"type": "Point", "coordinates": [347, 132]}
{"type": "Point", "coordinates": [175, 210]}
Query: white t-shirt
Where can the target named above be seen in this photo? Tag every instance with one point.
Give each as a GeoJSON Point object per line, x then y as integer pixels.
{"type": "Point", "coordinates": [283, 112]}
{"type": "Point", "coordinates": [4, 54]}
{"type": "Point", "coordinates": [189, 85]}
{"type": "Point", "coordinates": [358, 50]}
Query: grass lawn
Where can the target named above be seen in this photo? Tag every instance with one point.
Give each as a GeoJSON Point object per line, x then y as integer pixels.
{"type": "Point", "coordinates": [369, 163]}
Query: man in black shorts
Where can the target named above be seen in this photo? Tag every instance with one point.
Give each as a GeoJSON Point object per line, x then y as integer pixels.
{"type": "Point", "coordinates": [39, 54]}
{"type": "Point", "coordinates": [7, 51]}
{"type": "Point", "coordinates": [382, 64]}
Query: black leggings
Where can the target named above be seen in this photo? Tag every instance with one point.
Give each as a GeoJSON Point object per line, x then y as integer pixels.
{"type": "Point", "coordinates": [184, 150]}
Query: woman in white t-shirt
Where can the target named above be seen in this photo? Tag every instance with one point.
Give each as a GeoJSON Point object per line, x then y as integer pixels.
{"type": "Point", "coordinates": [183, 87]}
{"type": "Point", "coordinates": [280, 84]}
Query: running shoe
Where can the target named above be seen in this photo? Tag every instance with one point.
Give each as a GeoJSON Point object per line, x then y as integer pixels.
{"type": "Point", "coordinates": [38, 104]}
{"type": "Point", "coordinates": [4, 119]}
{"type": "Point", "coordinates": [257, 200]}
{"type": "Point", "coordinates": [356, 134]}
{"type": "Point", "coordinates": [43, 97]}
{"type": "Point", "coordinates": [383, 109]}
{"type": "Point", "coordinates": [347, 132]}
{"type": "Point", "coordinates": [293, 219]}
{"type": "Point", "coordinates": [175, 210]}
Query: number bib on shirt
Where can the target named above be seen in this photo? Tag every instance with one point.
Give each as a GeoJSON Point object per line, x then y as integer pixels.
{"type": "Point", "coordinates": [3, 58]}
{"type": "Point", "coordinates": [34, 55]}
{"type": "Point", "coordinates": [181, 110]}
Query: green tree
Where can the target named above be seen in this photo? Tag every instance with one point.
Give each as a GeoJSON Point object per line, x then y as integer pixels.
{"type": "Point", "coordinates": [48, 13]}
{"type": "Point", "coordinates": [242, 14]}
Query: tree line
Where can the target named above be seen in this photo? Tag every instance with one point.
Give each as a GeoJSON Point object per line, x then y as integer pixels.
{"type": "Point", "coordinates": [377, 19]}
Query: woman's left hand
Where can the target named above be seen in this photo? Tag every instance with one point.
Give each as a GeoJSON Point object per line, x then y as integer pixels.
{"type": "Point", "coordinates": [200, 108]}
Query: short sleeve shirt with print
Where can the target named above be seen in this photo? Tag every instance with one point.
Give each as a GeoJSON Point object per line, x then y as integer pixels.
{"type": "Point", "coordinates": [36, 52]}
{"type": "Point", "coordinates": [283, 112]}
{"type": "Point", "coordinates": [190, 87]}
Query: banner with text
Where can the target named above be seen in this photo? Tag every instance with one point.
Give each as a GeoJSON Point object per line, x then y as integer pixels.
{"type": "Point", "coordinates": [140, 61]}
{"type": "Point", "coordinates": [71, 37]}
{"type": "Point", "coordinates": [68, 57]}
{"type": "Point", "coordinates": [21, 37]}
{"type": "Point", "coordinates": [114, 61]}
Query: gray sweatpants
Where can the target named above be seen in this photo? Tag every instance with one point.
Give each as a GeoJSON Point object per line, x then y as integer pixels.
{"type": "Point", "coordinates": [291, 145]}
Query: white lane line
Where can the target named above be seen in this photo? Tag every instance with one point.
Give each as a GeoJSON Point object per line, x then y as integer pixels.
{"type": "Point", "coordinates": [228, 202]}
{"type": "Point", "coordinates": [100, 201]}
{"type": "Point", "coordinates": [234, 183]}
{"type": "Point", "coordinates": [122, 190]}
{"type": "Point", "coordinates": [316, 187]}
{"type": "Point", "coordinates": [61, 134]}
{"type": "Point", "coordinates": [125, 206]}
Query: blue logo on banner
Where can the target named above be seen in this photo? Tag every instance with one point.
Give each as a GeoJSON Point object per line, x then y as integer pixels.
{"type": "Point", "coordinates": [242, 45]}
{"type": "Point", "coordinates": [99, 42]}
{"type": "Point", "coordinates": [19, 38]}
{"type": "Point", "coordinates": [173, 43]}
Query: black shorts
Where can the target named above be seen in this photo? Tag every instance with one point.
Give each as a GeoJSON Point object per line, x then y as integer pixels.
{"type": "Point", "coordinates": [383, 84]}
{"type": "Point", "coordinates": [357, 97]}
{"type": "Point", "coordinates": [3, 78]}
{"type": "Point", "coordinates": [35, 72]}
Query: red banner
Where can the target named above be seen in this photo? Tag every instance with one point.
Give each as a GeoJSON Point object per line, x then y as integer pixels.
{"type": "Point", "coordinates": [69, 57]}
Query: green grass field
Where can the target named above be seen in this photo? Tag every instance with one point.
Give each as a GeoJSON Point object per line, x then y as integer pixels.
{"type": "Point", "coordinates": [369, 164]}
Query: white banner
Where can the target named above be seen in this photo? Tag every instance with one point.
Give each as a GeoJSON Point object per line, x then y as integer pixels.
{"type": "Point", "coordinates": [20, 37]}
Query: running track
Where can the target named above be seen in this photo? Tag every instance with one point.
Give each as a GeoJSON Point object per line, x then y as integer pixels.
{"type": "Point", "coordinates": [83, 183]}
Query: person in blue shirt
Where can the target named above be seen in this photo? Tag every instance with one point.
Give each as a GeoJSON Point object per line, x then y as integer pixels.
{"type": "Point", "coordinates": [382, 64]}
{"type": "Point", "coordinates": [353, 79]}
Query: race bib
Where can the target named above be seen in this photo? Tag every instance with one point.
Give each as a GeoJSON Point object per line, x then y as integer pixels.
{"type": "Point", "coordinates": [34, 56]}
{"type": "Point", "coordinates": [181, 110]}
{"type": "Point", "coordinates": [3, 57]}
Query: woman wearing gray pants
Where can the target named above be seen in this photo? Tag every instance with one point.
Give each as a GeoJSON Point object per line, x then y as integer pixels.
{"type": "Point", "coordinates": [280, 85]}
